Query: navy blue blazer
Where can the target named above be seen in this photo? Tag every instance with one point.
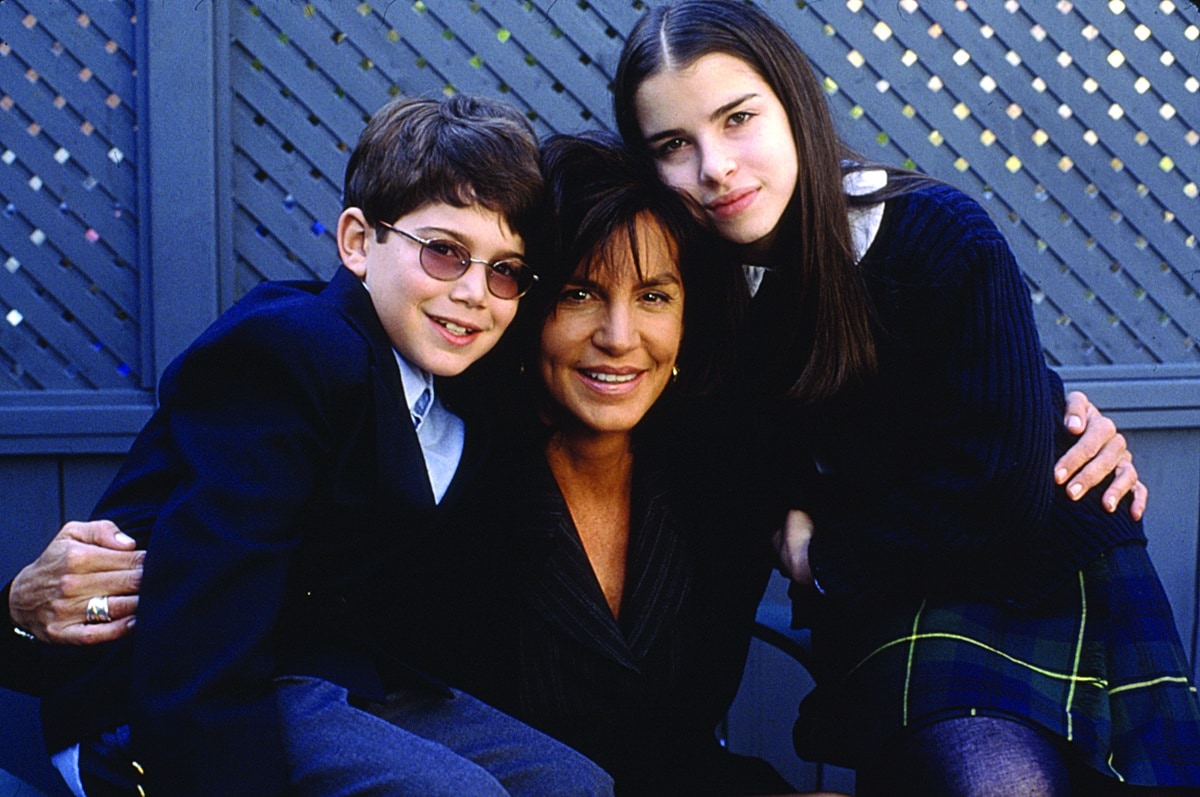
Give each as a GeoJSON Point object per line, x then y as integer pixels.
{"type": "Point", "coordinates": [282, 495]}
{"type": "Point", "coordinates": [20, 667]}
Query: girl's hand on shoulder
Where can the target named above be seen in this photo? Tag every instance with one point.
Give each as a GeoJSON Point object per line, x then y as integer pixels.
{"type": "Point", "coordinates": [791, 543]}
{"type": "Point", "coordinates": [1101, 450]}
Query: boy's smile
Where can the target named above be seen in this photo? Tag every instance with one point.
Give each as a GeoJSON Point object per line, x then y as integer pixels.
{"type": "Point", "coordinates": [439, 326]}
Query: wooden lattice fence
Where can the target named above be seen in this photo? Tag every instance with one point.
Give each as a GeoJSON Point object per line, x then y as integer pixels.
{"type": "Point", "coordinates": [1077, 124]}
{"type": "Point", "coordinates": [70, 295]}
{"type": "Point", "coordinates": [160, 157]}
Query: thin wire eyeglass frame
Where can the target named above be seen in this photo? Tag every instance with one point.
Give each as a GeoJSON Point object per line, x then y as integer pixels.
{"type": "Point", "coordinates": [518, 270]}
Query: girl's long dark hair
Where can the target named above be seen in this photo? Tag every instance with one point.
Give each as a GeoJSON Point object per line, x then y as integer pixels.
{"type": "Point", "coordinates": [819, 326]}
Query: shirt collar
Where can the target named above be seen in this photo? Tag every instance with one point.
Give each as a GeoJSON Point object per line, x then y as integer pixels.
{"type": "Point", "coordinates": [413, 379]}
{"type": "Point", "coordinates": [864, 222]}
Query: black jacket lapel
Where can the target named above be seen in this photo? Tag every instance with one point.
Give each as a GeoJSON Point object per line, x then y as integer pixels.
{"type": "Point", "coordinates": [400, 467]}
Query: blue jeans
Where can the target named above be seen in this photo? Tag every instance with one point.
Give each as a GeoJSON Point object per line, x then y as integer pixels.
{"type": "Point", "coordinates": [415, 743]}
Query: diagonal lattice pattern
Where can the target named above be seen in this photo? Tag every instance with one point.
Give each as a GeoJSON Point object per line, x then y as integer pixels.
{"type": "Point", "coordinates": [1075, 124]}
{"type": "Point", "coordinates": [69, 291]}
{"type": "Point", "coordinates": [1078, 131]}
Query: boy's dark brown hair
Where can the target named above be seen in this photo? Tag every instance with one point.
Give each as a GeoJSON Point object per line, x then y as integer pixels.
{"type": "Point", "coordinates": [459, 150]}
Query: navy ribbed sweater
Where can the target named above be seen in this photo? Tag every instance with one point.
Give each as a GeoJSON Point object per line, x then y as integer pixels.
{"type": "Point", "coordinates": [936, 477]}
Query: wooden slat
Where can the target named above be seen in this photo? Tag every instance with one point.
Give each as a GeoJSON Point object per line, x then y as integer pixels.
{"type": "Point", "coordinates": [93, 310]}
{"type": "Point", "coordinates": [75, 354]}
{"type": "Point", "coordinates": [555, 61]}
{"type": "Point", "coordinates": [308, 39]}
{"type": "Point", "coordinates": [315, 199]}
{"type": "Point", "coordinates": [95, 209]}
{"type": "Point", "coordinates": [87, 46]}
{"type": "Point", "coordinates": [1114, 246]}
{"type": "Point", "coordinates": [114, 18]}
{"type": "Point", "coordinates": [987, 161]}
{"type": "Point", "coordinates": [84, 479]}
{"type": "Point", "coordinates": [908, 85]}
{"type": "Point", "coordinates": [85, 98]}
{"type": "Point", "coordinates": [31, 365]}
{"type": "Point", "coordinates": [267, 254]}
{"type": "Point", "coordinates": [90, 151]}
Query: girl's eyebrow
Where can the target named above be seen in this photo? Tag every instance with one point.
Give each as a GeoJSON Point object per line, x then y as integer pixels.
{"type": "Point", "coordinates": [712, 117]}
{"type": "Point", "coordinates": [729, 106]}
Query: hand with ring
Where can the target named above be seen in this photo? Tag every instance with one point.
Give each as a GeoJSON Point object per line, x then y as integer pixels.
{"type": "Point", "coordinates": [82, 589]}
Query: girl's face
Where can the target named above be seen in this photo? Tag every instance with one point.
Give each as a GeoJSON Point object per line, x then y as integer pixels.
{"type": "Point", "coordinates": [720, 134]}
{"type": "Point", "coordinates": [610, 343]}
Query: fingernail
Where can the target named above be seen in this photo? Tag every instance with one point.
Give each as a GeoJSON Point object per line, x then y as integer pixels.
{"type": "Point", "coordinates": [124, 538]}
{"type": "Point", "coordinates": [1110, 504]}
{"type": "Point", "coordinates": [1075, 490]}
{"type": "Point", "coordinates": [1074, 423]}
{"type": "Point", "coordinates": [1060, 475]}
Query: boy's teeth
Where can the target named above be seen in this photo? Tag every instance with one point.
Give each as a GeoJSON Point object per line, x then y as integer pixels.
{"type": "Point", "coordinates": [455, 328]}
{"type": "Point", "coordinates": [614, 378]}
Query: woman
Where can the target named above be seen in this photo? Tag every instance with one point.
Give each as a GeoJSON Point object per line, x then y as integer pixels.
{"type": "Point", "coordinates": [623, 625]}
{"type": "Point", "coordinates": [891, 347]}
{"type": "Point", "coordinates": [636, 592]}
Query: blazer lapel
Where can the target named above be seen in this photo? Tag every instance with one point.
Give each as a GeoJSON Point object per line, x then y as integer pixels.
{"type": "Point", "coordinates": [657, 579]}
{"type": "Point", "coordinates": [400, 468]}
{"type": "Point", "coordinates": [563, 588]}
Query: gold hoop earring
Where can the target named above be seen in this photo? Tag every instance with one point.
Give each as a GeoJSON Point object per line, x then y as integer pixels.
{"type": "Point", "coordinates": [674, 373]}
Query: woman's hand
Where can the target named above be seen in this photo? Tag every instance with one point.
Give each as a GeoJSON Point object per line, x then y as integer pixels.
{"type": "Point", "coordinates": [49, 597]}
{"type": "Point", "coordinates": [1100, 451]}
{"type": "Point", "coordinates": [791, 543]}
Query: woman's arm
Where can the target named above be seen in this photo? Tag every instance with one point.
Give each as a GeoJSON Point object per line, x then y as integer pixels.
{"type": "Point", "coordinates": [85, 559]}
{"type": "Point", "coordinates": [49, 596]}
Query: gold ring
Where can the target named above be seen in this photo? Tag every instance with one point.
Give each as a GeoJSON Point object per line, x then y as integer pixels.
{"type": "Point", "coordinates": [97, 610]}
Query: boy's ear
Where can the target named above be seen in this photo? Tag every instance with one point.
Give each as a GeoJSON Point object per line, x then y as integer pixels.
{"type": "Point", "coordinates": [353, 238]}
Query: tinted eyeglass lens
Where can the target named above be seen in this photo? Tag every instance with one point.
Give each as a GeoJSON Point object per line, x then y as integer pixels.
{"type": "Point", "coordinates": [508, 279]}
{"type": "Point", "coordinates": [444, 260]}
{"type": "Point", "coordinates": [447, 260]}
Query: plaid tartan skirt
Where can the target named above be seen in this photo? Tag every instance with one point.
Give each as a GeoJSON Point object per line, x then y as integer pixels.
{"type": "Point", "coordinates": [1100, 665]}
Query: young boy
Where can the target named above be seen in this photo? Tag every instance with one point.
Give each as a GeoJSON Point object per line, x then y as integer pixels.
{"type": "Point", "coordinates": [292, 485]}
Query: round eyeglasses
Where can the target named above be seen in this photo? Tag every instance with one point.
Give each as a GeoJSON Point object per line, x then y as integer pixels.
{"type": "Point", "coordinates": [448, 260]}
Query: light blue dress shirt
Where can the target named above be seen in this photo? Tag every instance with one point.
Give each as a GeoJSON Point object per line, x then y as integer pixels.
{"type": "Point", "coordinates": [440, 432]}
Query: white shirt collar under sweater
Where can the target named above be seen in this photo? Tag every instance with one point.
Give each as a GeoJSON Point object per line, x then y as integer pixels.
{"type": "Point", "coordinates": [864, 222]}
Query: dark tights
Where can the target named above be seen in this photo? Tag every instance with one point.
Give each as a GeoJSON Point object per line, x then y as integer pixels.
{"type": "Point", "coordinates": [985, 757]}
